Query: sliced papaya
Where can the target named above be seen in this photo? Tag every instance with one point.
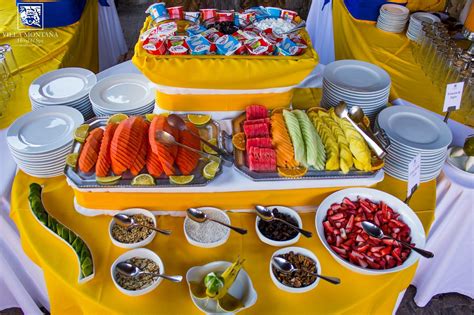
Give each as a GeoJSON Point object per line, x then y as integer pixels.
{"type": "Point", "coordinates": [187, 160]}
{"type": "Point", "coordinates": [166, 153]}
{"type": "Point", "coordinates": [90, 150]}
{"type": "Point", "coordinates": [103, 161]}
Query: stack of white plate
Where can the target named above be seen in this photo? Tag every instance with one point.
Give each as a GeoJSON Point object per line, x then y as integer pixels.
{"type": "Point", "coordinates": [39, 141]}
{"type": "Point", "coordinates": [414, 131]}
{"type": "Point", "coordinates": [66, 87]}
{"type": "Point", "coordinates": [131, 94]}
{"type": "Point", "coordinates": [414, 27]}
{"type": "Point", "coordinates": [356, 83]}
{"type": "Point", "coordinates": [393, 18]}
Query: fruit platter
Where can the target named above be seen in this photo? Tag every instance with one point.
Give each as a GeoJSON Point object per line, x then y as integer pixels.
{"type": "Point", "coordinates": [296, 144]}
{"type": "Point", "coordinates": [121, 152]}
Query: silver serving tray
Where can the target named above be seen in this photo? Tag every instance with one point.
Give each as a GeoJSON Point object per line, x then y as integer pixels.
{"type": "Point", "coordinates": [241, 166]}
{"type": "Point", "coordinates": [88, 180]}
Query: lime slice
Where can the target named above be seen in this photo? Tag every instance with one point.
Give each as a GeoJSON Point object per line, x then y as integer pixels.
{"type": "Point", "coordinates": [150, 117]}
{"type": "Point", "coordinates": [81, 132]}
{"type": "Point", "coordinates": [71, 159]}
{"type": "Point", "coordinates": [210, 170]}
{"type": "Point", "coordinates": [108, 180]}
{"type": "Point", "coordinates": [181, 180]}
{"type": "Point", "coordinates": [208, 149]}
{"type": "Point", "coordinates": [115, 119]}
{"type": "Point", "coordinates": [199, 120]}
{"type": "Point", "coordinates": [143, 180]}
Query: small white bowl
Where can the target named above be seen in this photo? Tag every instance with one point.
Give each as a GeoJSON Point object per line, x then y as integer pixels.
{"type": "Point", "coordinates": [140, 253]}
{"type": "Point", "coordinates": [242, 288]}
{"type": "Point", "coordinates": [271, 242]}
{"type": "Point", "coordinates": [207, 245]}
{"type": "Point", "coordinates": [406, 214]}
{"type": "Point", "coordinates": [142, 243]}
{"type": "Point", "coordinates": [296, 250]}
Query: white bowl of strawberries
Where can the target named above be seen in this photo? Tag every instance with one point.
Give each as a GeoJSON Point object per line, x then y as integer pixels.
{"type": "Point", "coordinates": [338, 224]}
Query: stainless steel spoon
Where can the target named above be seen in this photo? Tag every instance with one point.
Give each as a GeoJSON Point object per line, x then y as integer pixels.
{"type": "Point", "coordinates": [199, 216]}
{"type": "Point", "coordinates": [342, 112]}
{"type": "Point", "coordinates": [374, 231]}
{"type": "Point", "coordinates": [167, 138]}
{"type": "Point", "coordinates": [177, 122]}
{"type": "Point", "coordinates": [267, 215]}
{"type": "Point", "coordinates": [133, 271]}
{"type": "Point", "coordinates": [285, 266]}
{"type": "Point", "coordinates": [128, 222]}
{"type": "Point", "coordinates": [357, 115]}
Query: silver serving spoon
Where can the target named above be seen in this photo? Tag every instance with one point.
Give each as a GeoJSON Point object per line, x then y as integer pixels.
{"type": "Point", "coordinates": [133, 271]}
{"type": "Point", "coordinates": [357, 115]}
{"type": "Point", "coordinates": [285, 266]}
{"type": "Point", "coordinates": [128, 222]}
{"type": "Point", "coordinates": [267, 215]}
{"type": "Point", "coordinates": [177, 122]}
{"type": "Point", "coordinates": [200, 217]}
{"type": "Point", "coordinates": [342, 112]}
{"type": "Point", "coordinates": [167, 138]}
{"type": "Point", "coordinates": [374, 231]}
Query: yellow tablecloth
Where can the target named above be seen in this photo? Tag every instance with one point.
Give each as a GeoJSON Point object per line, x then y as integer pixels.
{"type": "Point", "coordinates": [40, 51]}
{"type": "Point", "coordinates": [357, 294]}
{"type": "Point", "coordinates": [355, 39]}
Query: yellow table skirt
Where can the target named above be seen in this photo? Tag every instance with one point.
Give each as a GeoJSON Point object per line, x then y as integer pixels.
{"type": "Point", "coordinates": [358, 294]}
{"type": "Point", "coordinates": [40, 51]}
{"type": "Point", "coordinates": [361, 40]}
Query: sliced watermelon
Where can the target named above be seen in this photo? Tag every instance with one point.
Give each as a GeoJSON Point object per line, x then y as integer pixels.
{"type": "Point", "coordinates": [256, 112]}
{"type": "Point", "coordinates": [258, 142]}
{"type": "Point", "coordinates": [257, 130]}
{"type": "Point", "coordinates": [261, 159]}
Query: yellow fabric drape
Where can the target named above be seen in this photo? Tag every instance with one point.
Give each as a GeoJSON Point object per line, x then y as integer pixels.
{"type": "Point", "coordinates": [354, 39]}
{"type": "Point", "coordinates": [426, 5]}
{"type": "Point", "coordinates": [358, 294]}
{"type": "Point", "coordinates": [40, 51]}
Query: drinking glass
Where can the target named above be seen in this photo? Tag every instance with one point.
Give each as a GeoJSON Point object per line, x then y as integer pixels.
{"type": "Point", "coordinates": [5, 74]}
{"type": "Point", "coordinates": [7, 51]}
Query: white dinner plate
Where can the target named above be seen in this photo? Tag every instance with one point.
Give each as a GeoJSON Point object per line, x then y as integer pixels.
{"type": "Point", "coordinates": [355, 75]}
{"type": "Point", "coordinates": [44, 130]}
{"type": "Point", "coordinates": [414, 127]}
{"type": "Point", "coordinates": [62, 86]}
{"type": "Point", "coordinates": [419, 17]}
{"type": "Point", "coordinates": [395, 9]}
{"type": "Point", "coordinates": [122, 92]}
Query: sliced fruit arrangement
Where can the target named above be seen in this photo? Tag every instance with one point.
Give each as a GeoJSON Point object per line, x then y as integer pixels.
{"type": "Point", "coordinates": [316, 139]}
{"type": "Point", "coordinates": [126, 148]}
{"type": "Point", "coordinates": [344, 233]}
{"type": "Point", "coordinates": [83, 253]}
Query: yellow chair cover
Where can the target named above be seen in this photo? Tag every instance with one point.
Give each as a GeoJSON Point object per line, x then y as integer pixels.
{"type": "Point", "coordinates": [40, 51]}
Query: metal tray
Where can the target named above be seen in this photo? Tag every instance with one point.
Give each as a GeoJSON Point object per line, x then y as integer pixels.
{"type": "Point", "coordinates": [88, 180]}
{"type": "Point", "coordinates": [241, 165]}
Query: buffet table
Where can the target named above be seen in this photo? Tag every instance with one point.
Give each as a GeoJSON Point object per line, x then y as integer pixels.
{"type": "Point", "coordinates": [357, 293]}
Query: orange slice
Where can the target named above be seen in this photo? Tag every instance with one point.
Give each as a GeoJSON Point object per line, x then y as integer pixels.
{"type": "Point", "coordinates": [292, 172]}
{"type": "Point", "coordinates": [238, 140]}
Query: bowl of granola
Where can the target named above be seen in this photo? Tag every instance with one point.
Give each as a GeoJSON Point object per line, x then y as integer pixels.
{"type": "Point", "coordinates": [134, 236]}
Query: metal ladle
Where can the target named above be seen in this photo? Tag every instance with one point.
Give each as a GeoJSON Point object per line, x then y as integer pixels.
{"type": "Point", "coordinates": [357, 115]}
{"type": "Point", "coordinates": [285, 266]}
{"type": "Point", "coordinates": [267, 215]}
{"type": "Point", "coordinates": [133, 271]}
{"type": "Point", "coordinates": [178, 123]}
{"type": "Point", "coordinates": [342, 112]}
{"type": "Point", "coordinates": [200, 217]}
{"type": "Point", "coordinates": [374, 231]}
{"type": "Point", "coordinates": [128, 222]}
{"type": "Point", "coordinates": [167, 138]}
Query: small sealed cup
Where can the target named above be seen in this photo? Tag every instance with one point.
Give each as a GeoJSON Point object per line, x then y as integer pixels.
{"type": "Point", "coordinates": [176, 13]}
{"type": "Point", "coordinates": [158, 12]}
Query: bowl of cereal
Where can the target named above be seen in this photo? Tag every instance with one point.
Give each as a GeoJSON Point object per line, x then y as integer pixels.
{"type": "Point", "coordinates": [135, 236]}
{"type": "Point", "coordinates": [147, 261]}
{"type": "Point", "coordinates": [298, 281]}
